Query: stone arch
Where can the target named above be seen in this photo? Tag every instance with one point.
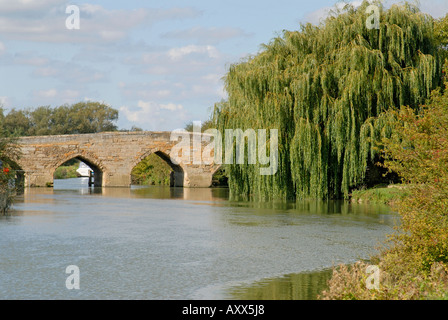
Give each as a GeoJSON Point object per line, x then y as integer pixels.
{"type": "Point", "coordinates": [178, 173]}
{"type": "Point", "coordinates": [89, 159]}
{"type": "Point", "coordinates": [214, 171]}
{"type": "Point", "coordinates": [216, 167]}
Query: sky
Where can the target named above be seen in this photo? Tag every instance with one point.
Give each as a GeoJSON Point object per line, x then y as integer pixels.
{"type": "Point", "coordinates": [160, 63]}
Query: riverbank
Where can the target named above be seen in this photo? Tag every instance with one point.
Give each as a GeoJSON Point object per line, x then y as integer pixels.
{"type": "Point", "coordinates": [381, 194]}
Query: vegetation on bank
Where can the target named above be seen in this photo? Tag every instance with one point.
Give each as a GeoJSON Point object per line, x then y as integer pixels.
{"type": "Point", "coordinates": [415, 263]}
{"type": "Point", "coordinates": [152, 170]}
{"type": "Point", "coordinates": [380, 194]}
{"type": "Point", "coordinates": [8, 174]}
{"type": "Point", "coordinates": [67, 170]}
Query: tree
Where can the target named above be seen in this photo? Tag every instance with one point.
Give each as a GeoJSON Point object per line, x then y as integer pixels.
{"type": "Point", "coordinates": [16, 123]}
{"type": "Point", "coordinates": [8, 151]}
{"type": "Point", "coordinates": [92, 117]}
{"type": "Point", "coordinates": [2, 121]}
{"type": "Point", "coordinates": [208, 124]}
{"type": "Point", "coordinates": [82, 117]}
{"type": "Point", "coordinates": [441, 35]}
{"type": "Point", "coordinates": [41, 120]}
{"type": "Point", "coordinates": [321, 87]}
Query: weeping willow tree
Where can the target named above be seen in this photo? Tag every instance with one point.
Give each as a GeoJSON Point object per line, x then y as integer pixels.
{"type": "Point", "coordinates": [322, 87]}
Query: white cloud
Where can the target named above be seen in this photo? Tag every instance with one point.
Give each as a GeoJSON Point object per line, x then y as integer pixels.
{"type": "Point", "coordinates": [30, 58]}
{"type": "Point", "coordinates": [179, 53]}
{"type": "Point", "coordinates": [171, 106]}
{"type": "Point", "coordinates": [44, 21]}
{"type": "Point", "coordinates": [46, 67]}
{"type": "Point", "coordinates": [436, 8]}
{"type": "Point", "coordinates": [4, 101]}
{"type": "Point", "coordinates": [92, 9]}
{"type": "Point", "coordinates": [155, 116]}
{"type": "Point", "coordinates": [21, 6]}
{"type": "Point", "coordinates": [181, 75]}
{"type": "Point", "coordinates": [51, 93]}
{"type": "Point", "coordinates": [57, 97]}
{"type": "Point", "coordinates": [203, 35]}
{"type": "Point", "coordinates": [321, 14]}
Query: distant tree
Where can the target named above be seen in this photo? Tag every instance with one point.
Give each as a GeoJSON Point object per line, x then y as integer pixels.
{"type": "Point", "coordinates": [136, 129]}
{"type": "Point", "coordinates": [16, 123]}
{"type": "Point", "coordinates": [41, 120]}
{"type": "Point", "coordinates": [208, 124]}
{"type": "Point", "coordinates": [92, 117]}
{"type": "Point", "coordinates": [82, 117]}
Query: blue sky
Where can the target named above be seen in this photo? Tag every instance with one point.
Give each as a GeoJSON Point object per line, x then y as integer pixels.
{"type": "Point", "coordinates": [160, 63]}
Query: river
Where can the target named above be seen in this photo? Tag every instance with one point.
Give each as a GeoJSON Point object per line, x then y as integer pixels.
{"type": "Point", "coordinates": [174, 243]}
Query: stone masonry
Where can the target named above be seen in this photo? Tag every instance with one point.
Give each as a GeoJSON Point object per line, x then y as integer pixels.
{"type": "Point", "coordinates": [111, 155]}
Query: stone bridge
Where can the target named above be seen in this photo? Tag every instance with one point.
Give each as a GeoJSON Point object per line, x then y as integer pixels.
{"type": "Point", "coordinates": [111, 155]}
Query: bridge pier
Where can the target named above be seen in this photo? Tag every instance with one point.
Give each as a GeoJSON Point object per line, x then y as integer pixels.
{"type": "Point", "coordinates": [117, 179]}
{"type": "Point", "coordinates": [198, 180]}
{"type": "Point", "coordinates": [38, 179]}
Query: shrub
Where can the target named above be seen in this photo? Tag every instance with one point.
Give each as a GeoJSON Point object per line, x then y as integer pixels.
{"type": "Point", "coordinates": [7, 177]}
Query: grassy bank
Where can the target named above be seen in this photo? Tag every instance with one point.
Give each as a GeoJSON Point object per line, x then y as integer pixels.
{"type": "Point", "coordinates": [381, 194]}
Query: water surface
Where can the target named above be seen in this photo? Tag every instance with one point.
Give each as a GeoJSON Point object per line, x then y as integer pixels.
{"type": "Point", "coordinates": [174, 243]}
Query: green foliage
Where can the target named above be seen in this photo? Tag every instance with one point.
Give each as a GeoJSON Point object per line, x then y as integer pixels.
{"type": "Point", "coordinates": [415, 266]}
{"type": "Point", "coordinates": [441, 35]}
{"type": "Point", "coordinates": [16, 123]}
{"type": "Point", "coordinates": [209, 124]}
{"type": "Point", "coordinates": [152, 170]}
{"type": "Point", "coordinates": [82, 117]}
{"type": "Point", "coordinates": [387, 195]}
{"type": "Point", "coordinates": [322, 87]}
{"type": "Point", "coordinates": [6, 192]}
{"type": "Point", "coordinates": [8, 151]}
{"type": "Point", "coordinates": [418, 152]}
{"type": "Point", "coordinates": [66, 171]}
{"type": "Point", "coordinates": [220, 178]}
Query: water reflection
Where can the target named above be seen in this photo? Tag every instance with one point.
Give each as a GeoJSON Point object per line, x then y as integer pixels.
{"type": "Point", "coordinates": [300, 286]}
{"type": "Point", "coordinates": [78, 185]}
